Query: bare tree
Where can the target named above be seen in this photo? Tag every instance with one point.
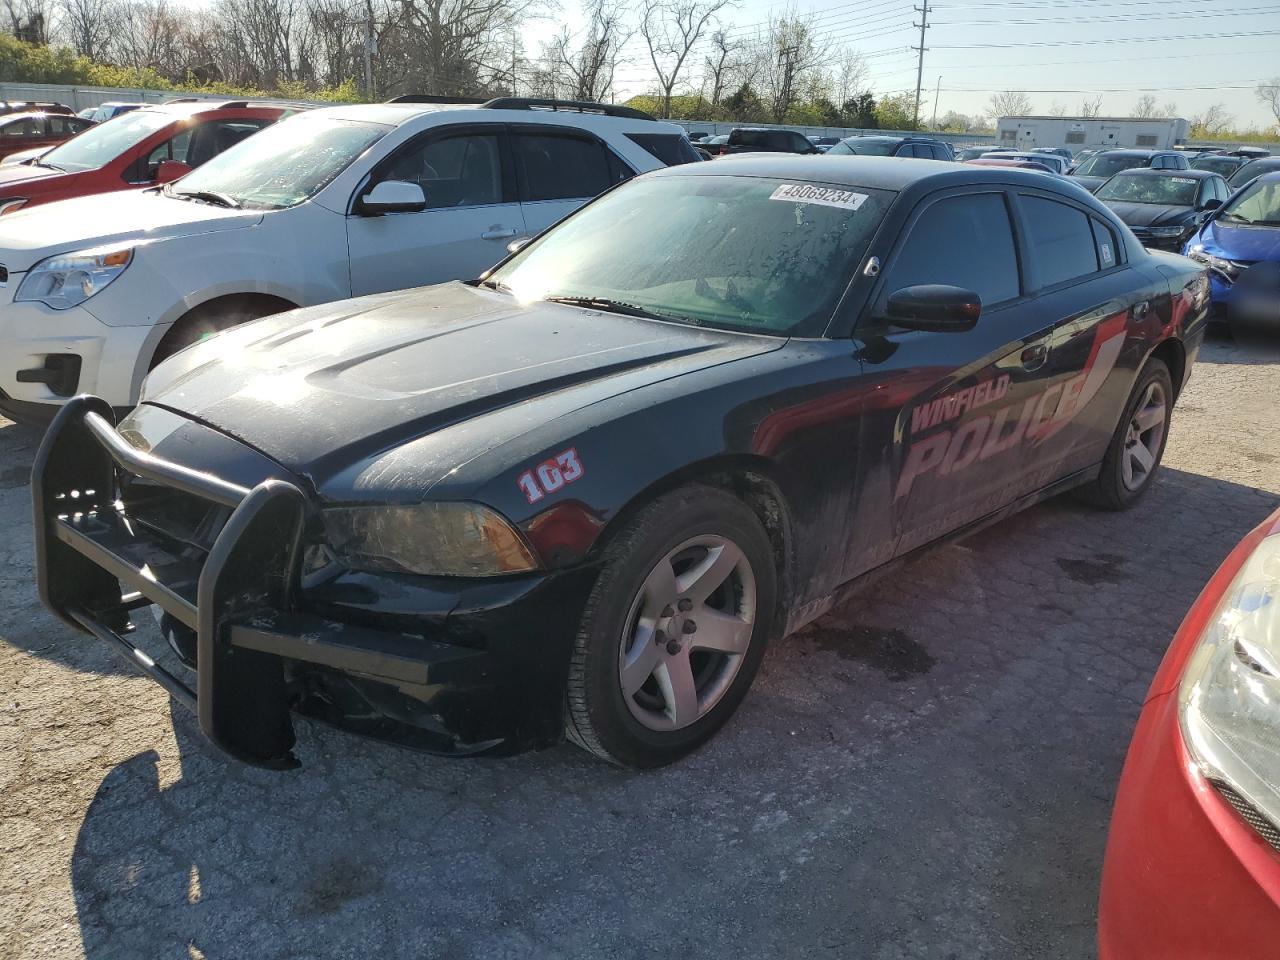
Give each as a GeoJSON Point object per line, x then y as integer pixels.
{"type": "Point", "coordinates": [87, 26]}
{"type": "Point", "coordinates": [453, 47]}
{"type": "Point", "coordinates": [1170, 109]}
{"type": "Point", "coordinates": [29, 20]}
{"type": "Point", "coordinates": [1214, 121]}
{"type": "Point", "coordinates": [720, 65]}
{"type": "Point", "coordinates": [1008, 103]}
{"type": "Point", "coordinates": [145, 33]}
{"type": "Point", "coordinates": [792, 51]}
{"type": "Point", "coordinates": [1145, 108]}
{"type": "Point", "coordinates": [587, 67]}
{"type": "Point", "coordinates": [1091, 106]}
{"type": "Point", "coordinates": [1058, 109]}
{"type": "Point", "coordinates": [1269, 93]}
{"type": "Point", "coordinates": [851, 77]}
{"type": "Point", "coordinates": [671, 29]}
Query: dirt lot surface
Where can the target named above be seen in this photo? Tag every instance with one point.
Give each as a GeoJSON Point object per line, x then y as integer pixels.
{"type": "Point", "coordinates": [927, 773]}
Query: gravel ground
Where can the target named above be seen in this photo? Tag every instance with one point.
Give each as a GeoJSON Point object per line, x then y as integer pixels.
{"type": "Point", "coordinates": [927, 773]}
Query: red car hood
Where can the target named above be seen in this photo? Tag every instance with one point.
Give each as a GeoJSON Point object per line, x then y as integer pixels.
{"type": "Point", "coordinates": [15, 178]}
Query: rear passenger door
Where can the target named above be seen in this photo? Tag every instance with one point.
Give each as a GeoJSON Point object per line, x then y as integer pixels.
{"type": "Point", "coordinates": [558, 169]}
{"type": "Point", "coordinates": [949, 447]}
{"type": "Point", "coordinates": [471, 215]}
{"type": "Point", "coordinates": [1076, 267]}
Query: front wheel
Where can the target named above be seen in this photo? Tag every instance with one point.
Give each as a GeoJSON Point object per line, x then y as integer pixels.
{"type": "Point", "coordinates": [1138, 444]}
{"type": "Point", "coordinates": [674, 629]}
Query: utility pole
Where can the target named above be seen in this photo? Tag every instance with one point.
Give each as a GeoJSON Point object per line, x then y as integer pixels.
{"type": "Point", "coordinates": [923, 25]}
{"type": "Point", "coordinates": [369, 44]}
{"type": "Point", "coordinates": [936, 90]}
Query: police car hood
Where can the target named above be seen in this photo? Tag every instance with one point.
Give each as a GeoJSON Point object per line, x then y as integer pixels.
{"type": "Point", "coordinates": [1150, 214]}
{"type": "Point", "coordinates": [325, 389]}
{"type": "Point", "coordinates": [111, 219]}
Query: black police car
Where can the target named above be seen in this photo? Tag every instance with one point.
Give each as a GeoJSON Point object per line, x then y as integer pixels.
{"type": "Point", "coordinates": [1164, 208]}
{"type": "Point", "coordinates": [580, 495]}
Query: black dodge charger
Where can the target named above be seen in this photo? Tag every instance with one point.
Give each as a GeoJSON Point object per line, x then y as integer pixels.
{"type": "Point", "coordinates": [579, 495]}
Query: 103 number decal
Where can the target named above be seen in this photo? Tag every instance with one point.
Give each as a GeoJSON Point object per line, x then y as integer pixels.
{"type": "Point", "coordinates": [550, 475]}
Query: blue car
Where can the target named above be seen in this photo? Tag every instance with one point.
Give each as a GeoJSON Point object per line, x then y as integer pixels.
{"type": "Point", "coordinates": [1240, 244]}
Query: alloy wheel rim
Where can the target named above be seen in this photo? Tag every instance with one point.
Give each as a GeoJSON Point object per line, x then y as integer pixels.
{"type": "Point", "coordinates": [687, 633]}
{"type": "Point", "coordinates": [1145, 436]}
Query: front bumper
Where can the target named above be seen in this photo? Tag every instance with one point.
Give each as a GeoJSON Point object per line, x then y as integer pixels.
{"type": "Point", "coordinates": [1184, 874]}
{"type": "Point", "coordinates": [453, 671]}
{"type": "Point", "coordinates": [33, 337]}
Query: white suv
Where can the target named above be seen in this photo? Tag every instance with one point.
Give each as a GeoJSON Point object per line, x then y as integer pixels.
{"type": "Point", "coordinates": [329, 204]}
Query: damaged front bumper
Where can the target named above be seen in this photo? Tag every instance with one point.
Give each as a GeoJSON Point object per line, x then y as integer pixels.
{"type": "Point", "coordinates": [450, 668]}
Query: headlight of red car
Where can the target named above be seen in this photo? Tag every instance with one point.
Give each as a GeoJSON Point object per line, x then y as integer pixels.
{"type": "Point", "coordinates": [1229, 696]}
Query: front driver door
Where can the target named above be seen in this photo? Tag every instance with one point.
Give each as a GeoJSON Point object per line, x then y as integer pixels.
{"type": "Point", "coordinates": [471, 214]}
{"type": "Point", "coordinates": [947, 444]}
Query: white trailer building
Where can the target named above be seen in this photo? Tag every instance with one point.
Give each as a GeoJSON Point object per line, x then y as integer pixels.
{"type": "Point", "coordinates": [1077, 133]}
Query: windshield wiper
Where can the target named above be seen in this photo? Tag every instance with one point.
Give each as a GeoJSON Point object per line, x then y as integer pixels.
{"type": "Point", "coordinates": [207, 196]}
{"type": "Point", "coordinates": [1235, 218]}
{"type": "Point", "coordinates": [495, 285]}
{"type": "Point", "coordinates": [606, 305]}
{"type": "Point", "coordinates": [37, 162]}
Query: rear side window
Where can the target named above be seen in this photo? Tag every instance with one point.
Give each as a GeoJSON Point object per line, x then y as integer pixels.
{"type": "Point", "coordinates": [25, 127]}
{"type": "Point", "coordinates": [963, 241]}
{"type": "Point", "coordinates": [749, 138]}
{"type": "Point", "coordinates": [669, 148]}
{"type": "Point", "coordinates": [1061, 240]}
{"type": "Point", "coordinates": [1108, 248]}
{"type": "Point", "coordinates": [563, 168]}
{"type": "Point", "coordinates": [800, 144]}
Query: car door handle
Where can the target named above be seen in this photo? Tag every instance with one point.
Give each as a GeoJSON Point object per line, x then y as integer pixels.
{"type": "Point", "coordinates": [1034, 356]}
{"type": "Point", "coordinates": [499, 234]}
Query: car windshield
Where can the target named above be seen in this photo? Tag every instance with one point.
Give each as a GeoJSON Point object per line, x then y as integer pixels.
{"type": "Point", "coordinates": [1223, 165]}
{"type": "Point", "coordinates": [1169, 191]}
{"type": "Point", "coordinates": [1108, 164]}
{"type": "Point", "coordinates": [760, 255]}
{"type": "Point", "coordinates": [868, 146]}
{"type": "Point", "coordinates": [1258, 203]}
{"type": "Point", "coordinates": [103, 143]}
{"type": "Point", "coordinates": [1251, 170]}
{"type": "Point", "coordinates": [284, 164]}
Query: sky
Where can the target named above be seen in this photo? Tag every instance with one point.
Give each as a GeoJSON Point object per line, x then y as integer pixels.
{"type": "Point", "coordinates": [1193, 53]}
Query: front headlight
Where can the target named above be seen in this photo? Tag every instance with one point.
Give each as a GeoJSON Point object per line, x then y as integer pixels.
{"type": "Point", "coordinates": [432, 539]}
{"type": "Point", "coordinates": [9, 206]}
{"type": "Point", "coordinates": [70, 279]}
{"type": "Point", "coordinates": [1222, 267]}
{"type": "Point", "coordinates": [1229, 698]}
{"type": "Point", "coordinates": [1167, 231]}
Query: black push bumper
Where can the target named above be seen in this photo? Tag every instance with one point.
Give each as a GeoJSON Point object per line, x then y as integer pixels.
{"type": "Point", "coordinates": [95, 565]}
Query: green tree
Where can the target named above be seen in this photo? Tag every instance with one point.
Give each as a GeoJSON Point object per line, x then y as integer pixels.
{"type": "Point", "coordinates": [859, 111]}
{"type": "Point", "coordinates": [896, 111]}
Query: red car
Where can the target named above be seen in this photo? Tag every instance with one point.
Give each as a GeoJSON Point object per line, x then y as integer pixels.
{"type": "Point", "coordinates": [23, 131]}
{"type": "Point", "coordinates": [1193, 858]}
{"type": "Point", "coordinates": [141, 148]}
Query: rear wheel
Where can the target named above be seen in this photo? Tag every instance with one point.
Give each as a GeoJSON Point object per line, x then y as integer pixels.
{"type": "Point", "coordinates": [1138, 444]}
{"type": "Point", "coordinates": [674, 630]}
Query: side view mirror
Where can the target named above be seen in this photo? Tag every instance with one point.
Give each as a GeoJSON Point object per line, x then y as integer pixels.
{"type": "Point", "coordinates": [515, 246]}
{"type": "Point", "coordinates": [1213, 203]}
{"type": "Point", "coordinates": [171, 170]}
{"type": "Point", "coordinates": [393, 196]}
{"type": "Point", "coordinates": [934, 307]}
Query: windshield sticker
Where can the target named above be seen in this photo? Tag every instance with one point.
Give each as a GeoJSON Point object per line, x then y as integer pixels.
{"type": "Point", "coordinates": [1108, 258]}
{"type": "Point", "coordinates": [1183, 179]}
{"type": "Point", "coordinates": [826, 196]}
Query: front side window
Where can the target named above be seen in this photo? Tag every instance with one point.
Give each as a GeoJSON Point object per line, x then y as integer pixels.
{"type": "Point", "coordinates": [1142, 188]}
{"type": "Point", "coordinates": [1061, 240]}
{"type": "Point", "coordinates": [1257, 204]}
{"type": "Point", "coordinates": [965, 242]}
{"type": "Point", "coordinates": [1251, 170]}
{"type": "Point", "coordinates": [1220, 165]}
{"type": "Point", "coordinates": [105, 142]}
{"type": "Point", "coordinates": [26, 127]}
{"type": "Point", "coordinates": [283, 165]}
{"type": "Point", "coordinates": [760, 255]}
{"type": "Point", "coordinates": [461, 171]}
{"type": "Point", "coordinates": [558, 167]}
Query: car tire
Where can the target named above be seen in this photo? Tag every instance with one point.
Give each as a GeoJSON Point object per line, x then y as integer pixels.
{"type": "Point", "coordinates": [1137, 447]}
{"type": "Point", "coordinates": [210, 318]}
{"type": "Point", "coordinates": [657, 580]}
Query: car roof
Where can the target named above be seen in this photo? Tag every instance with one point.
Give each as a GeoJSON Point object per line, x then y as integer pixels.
{"type": "Point", "coordinates": [395, 114]}
{"type": "Point", "coordinates": [885, 173]}
{"type": "Point", "coordinates": [1156, 174]}
{"type": "Point", "coordinates": [1137, 153]}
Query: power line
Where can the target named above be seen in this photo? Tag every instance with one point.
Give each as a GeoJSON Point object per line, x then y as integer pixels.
{"type": "Point", "coordinates": [1117, 18]}
{"type": "Point", "coordinates": [1216, 86]}
{"type": "Point", "coordinates": [1109, 40]}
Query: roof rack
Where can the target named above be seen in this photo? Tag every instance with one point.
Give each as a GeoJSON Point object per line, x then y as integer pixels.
{"type": "Point", "coordinates": [264, 102]}
{"type": "Point", "coordinates": [428, 98]}
{"type": "Point", "coordinates": [183, 100]}
{"type": "Point", "coordinates": [572, 106]}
